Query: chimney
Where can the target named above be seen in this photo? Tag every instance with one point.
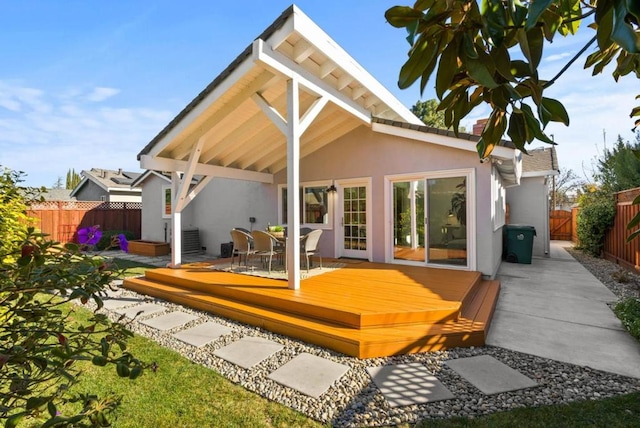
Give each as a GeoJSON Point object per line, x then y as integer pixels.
{"type": "Point", "coordinates": [478, 126]}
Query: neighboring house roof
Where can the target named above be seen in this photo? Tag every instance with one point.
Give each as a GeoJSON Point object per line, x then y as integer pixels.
{"type": "Point", "coordinates": [166, 176]}
{"type": "Point", "coordinates": [109, 180]}
{"type": "Point", "coordinates": [540, 162]}
{"type": "Point", "coordinates": [57, 195]}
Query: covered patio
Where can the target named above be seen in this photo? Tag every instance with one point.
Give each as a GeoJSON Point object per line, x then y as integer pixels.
{"type": "Point", "coordinates": [363, 310]}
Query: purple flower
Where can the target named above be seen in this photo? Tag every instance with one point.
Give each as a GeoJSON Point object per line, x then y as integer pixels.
{"type": "Point", "coordinates": [124, 244]}
{"type": "Point", "coordinates": [89, 235]}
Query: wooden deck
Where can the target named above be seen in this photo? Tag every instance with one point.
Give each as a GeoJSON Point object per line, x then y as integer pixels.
{"type": "Point", "coordinates": [363, 310]}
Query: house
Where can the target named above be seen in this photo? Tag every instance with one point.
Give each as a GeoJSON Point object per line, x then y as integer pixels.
{"type": "Point", "coordinates": [106, 185]}
{"type": "Point", "coordinates": [54, 194]}
{"type": "Point", "coordinates": [529, 202]}
{"type": "Point", "coordinates": [295, 111]}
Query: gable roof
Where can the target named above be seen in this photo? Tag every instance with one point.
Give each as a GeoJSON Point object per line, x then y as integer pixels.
{"type": "Point", "coordinates": [540, 162]}
{"type": "Point", "coordinates": [53, 194]}
{"type": "Point", "coordinates": [109, 180]}
{"type": "Point", "coordinates": [232, 116]}
{"type": "Point", "coordinates": [236, 127]}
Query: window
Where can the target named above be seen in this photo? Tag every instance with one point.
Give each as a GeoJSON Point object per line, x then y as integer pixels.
{"type": "Point", "coordinates": [314, 204]}
{"type": "Point", "coordinates": [166, 201]}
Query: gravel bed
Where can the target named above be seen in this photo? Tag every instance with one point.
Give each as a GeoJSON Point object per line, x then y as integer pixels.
{"type": "Point", "coordinates": [355, 401]}
{"type": "Point", "coordinates": [622, 282]}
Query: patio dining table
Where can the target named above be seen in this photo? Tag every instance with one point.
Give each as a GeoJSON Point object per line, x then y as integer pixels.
{"type": "Point", "coordinates": [282, 240]}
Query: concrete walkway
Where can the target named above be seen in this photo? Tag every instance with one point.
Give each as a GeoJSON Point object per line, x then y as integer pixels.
{"type": "Point", "coordinates": [554, 308]}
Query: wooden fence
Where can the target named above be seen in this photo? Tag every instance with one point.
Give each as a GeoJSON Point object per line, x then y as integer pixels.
{"type": "Point", "coordinates": [560, 225]}
{"type": "Point", "coordinates": [62, 219]}
{"type": "Point", "coordinates": [616, 247]}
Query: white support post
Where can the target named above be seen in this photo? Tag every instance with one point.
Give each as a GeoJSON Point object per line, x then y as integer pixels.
{"type": "Point", "coordinates": [414, 221]}
{"type": "Point", "coordinates": [293, 183]}
{"type": "Point", "coordinates": [176, 222]}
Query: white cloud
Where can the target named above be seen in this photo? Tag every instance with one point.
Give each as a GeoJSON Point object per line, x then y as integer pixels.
{"type": "Point", "coordinates": [16, 98]}
{"type": "Point", "coordinates": [102, 93]}
{"type": "Point", "coordinates": [71, 132]}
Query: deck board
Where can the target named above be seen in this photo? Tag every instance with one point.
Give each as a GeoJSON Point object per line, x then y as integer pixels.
{"type": "Point", "coordinates": [364, 309]}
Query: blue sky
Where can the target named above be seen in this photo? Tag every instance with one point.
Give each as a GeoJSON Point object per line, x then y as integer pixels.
{"type": "Point", "coordinates": [89, 84]}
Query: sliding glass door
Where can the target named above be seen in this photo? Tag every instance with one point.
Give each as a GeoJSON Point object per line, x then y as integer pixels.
{"type": "Point", "coordinates": [430, 220]}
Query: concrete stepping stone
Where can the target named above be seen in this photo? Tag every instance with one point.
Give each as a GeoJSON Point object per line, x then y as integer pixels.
{"type": "Point", "coordinates": [145, 308]}
{"type": "Point", "coordinates": [119, 302]}
{"type": "Point", "coordinates": [490, 375]}
{"type": "Point", "coordinates": [407, 384]}
{"type": "Point", "coordinates": [248, 351]}
{"type": "Point", "coordinates": [170, 320]}
{"type": "Point", "coordinates": [309, 374]}
{"type": "Point", "coordinates": [202, 334]}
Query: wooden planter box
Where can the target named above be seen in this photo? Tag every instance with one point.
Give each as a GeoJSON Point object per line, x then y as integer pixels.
{"type": "Point", "coordinates": [149, 248]}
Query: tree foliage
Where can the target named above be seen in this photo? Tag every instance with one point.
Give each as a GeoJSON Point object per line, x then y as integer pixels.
{"type": "Point", "coordinates": [73, 179]}
{"type": "Point", "coordinates": [427, 111]}
{"type": "Point", "coordinates": [595, 218]}
{"type": "Point", "coordinates": [618, 168]}
{"type": "Point", "coordinates": [567, 184]}
{"type": "Point", "coordinates": [490, 51]}
{"type": "Point", "coordinates": [41, 282]}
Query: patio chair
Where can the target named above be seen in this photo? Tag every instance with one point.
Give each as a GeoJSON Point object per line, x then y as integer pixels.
{"type": "Point", "coordinates": [264, 245]}
{"type": "Point", "coordinates": [305, 231]}
{"type": "Point", "coordinates": [310, 245]}
{"type": "Point", "coordinates": [241, 246]}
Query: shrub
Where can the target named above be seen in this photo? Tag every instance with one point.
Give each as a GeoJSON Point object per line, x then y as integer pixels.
{"type": "Point", "coordinates": [595, 218]}
{"type": "Point", "coordinates": [41, 282]}
{"type": "Point", "coordinates": [106, 239]}
{"type": "Point", "coordinates": [628, 311]}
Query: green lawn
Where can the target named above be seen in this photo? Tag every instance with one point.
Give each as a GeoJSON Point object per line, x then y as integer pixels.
{"type": "Point", "coordinates": [181, 393]}
{"type": "Point", "coordinates": [131, 268]}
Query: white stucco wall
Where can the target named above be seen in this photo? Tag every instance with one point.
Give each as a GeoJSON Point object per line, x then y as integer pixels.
{"type": "Point", "coordinates": [225, 204]}
{"type": "Point", "coordinates": [529, 204]}
{"type": "Point", "coordinates": [221, 206]}
{"type": "Point", "coordinates": [153, 223]}
{"type": "Point", "coordinates": [364, 153]}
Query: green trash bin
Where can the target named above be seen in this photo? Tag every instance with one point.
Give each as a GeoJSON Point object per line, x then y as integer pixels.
{"type": "Point", "coordinates": [518, 243]}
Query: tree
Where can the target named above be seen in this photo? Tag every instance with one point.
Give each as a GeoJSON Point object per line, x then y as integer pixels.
{"type": "Point", "coordinates": [472, 50]}
{"type": "Point", "coordinates": [73, 179]}
{"type": "Point", "coordinates": [427, 111]}
{"type": "Point", "coordinates": [58, 183]}
{"type": "Point", "coordinates": [619, 169]}
{"type": "Point", "coordinates": [566, 188]}
{"type": "Point", "coordinates": [41, 345]}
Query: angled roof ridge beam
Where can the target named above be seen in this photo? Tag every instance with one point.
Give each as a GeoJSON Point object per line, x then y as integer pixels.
{"type": "Point", "coordinates": [276, 61]}
{"type": "Point", "coordinates": [166, 164]}
{"type": "Point", "coordinates": [308, 29]}
{"type": "Point", "coordinates": [271, 112]}
{"type": "Point", "coordinates": [185, 181]}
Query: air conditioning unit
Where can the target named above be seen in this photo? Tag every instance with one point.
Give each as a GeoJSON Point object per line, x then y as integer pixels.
{"type": "Point", "coordinates": [191, 241]}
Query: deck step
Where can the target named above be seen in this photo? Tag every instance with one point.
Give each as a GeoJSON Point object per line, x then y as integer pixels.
{"type": "Point", "coordinates": [267, 293]}
{"type": "Point", "coordinates": [469, 329]}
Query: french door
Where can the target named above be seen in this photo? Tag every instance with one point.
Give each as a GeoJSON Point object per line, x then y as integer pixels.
{"type": "Point", "coordinates": [430, 214]}
{"type": "Point", "coordinates": [354, 220]}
